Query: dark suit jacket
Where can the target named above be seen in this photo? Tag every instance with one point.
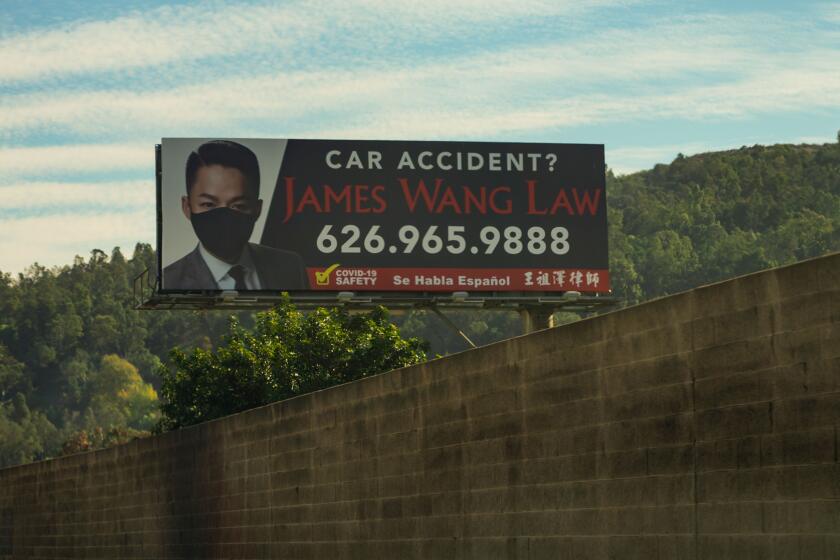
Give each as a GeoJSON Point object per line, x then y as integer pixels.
{"type": "Point", "coordinates": [277, 269]}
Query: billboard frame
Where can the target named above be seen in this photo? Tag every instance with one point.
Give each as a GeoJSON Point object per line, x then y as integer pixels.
{"type": "Point", "coordinates": [159, 211]}
{"type": "Point", "coordinates": [148, 293]}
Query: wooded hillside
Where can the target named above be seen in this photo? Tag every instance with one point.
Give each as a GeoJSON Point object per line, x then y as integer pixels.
{"type": "Point", "coordinates": [78, 364]}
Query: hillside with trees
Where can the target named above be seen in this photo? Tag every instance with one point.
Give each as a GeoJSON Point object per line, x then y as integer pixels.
{"type": "Point", "coordinates": [718, 215]}
{"type": "Point", "coordinates": [80, 368]}
{"type": "Point", "coordinates": [77, 362]}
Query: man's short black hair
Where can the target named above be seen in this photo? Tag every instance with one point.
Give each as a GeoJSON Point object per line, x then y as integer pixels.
{"type": "Point", "coordinates": [226, 154]}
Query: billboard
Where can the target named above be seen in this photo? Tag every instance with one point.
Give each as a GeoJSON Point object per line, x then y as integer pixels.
{"type": "Point", "coordinates": [383, 216]}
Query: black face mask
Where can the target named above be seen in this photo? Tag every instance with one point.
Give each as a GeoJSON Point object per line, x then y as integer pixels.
{"type": "Point", "coordinates": [223, 232]}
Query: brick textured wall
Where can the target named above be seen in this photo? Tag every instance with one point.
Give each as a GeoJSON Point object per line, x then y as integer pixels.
{"type": "Point", "coordinates": [702, 425]}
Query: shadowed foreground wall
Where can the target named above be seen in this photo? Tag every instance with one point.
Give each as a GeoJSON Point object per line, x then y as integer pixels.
{"type": "Point", "coordinates": [702, 425]}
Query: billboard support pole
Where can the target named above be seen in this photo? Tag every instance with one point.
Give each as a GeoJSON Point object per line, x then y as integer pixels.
{"type": "Point", "coordinates": [536, 318]}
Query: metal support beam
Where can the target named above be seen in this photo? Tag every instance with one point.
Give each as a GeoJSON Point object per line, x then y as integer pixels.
{"type": "Point", "coordinates": [147, 295]}
{"type": "Point", "coordinates": [453, 326]}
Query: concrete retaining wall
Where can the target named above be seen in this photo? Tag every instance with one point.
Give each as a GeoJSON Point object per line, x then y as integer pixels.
{"type": "Point", "coordinates": [702, 425]}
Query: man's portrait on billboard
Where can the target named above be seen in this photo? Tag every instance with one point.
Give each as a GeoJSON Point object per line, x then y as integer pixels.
{"type": "Point", "coordinates": [222, 203]}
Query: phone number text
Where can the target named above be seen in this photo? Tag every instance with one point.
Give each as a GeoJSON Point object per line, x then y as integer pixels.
{"type": "Point", "coordinates": [454, 240]}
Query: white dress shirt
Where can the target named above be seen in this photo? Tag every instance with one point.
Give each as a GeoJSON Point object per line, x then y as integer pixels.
{"type": "Point", "coordinates": [221, 269]}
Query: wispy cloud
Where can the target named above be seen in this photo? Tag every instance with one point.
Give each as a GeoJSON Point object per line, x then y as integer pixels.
{"type": "Point", "coordinates": [784, 90]}
{"type": "Point", "coordinates": [54, 239]}
{"type": "Point", "coordinates": [159, 37]}
{"type": "Point", "coordinates": [831, 12]}
{"type": "Point", "coordinates": [62, 198]}
{"type": "Point", "coordinates": [57, 161]}
{"type": "Point", "coordinates": [556, 80]}
{"type": "Point", "coordinates": [211, 31]}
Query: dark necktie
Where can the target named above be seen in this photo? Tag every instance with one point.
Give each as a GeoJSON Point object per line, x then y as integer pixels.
{"type": "Point", "coordinates": [237, 272]}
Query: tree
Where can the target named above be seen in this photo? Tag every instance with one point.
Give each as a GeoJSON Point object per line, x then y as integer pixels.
{"type": "Point", "coordinates": [287, 353]}
{"type": "Point", "coordinates": [24, 435]}
{"type": "Point", "coordinates": [12, 377]}
{"type": "Point", "coordinates": [120, 397]}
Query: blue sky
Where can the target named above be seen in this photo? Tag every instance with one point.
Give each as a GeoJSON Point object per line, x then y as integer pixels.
{"type": "Point", "coordinates": [87, 88]}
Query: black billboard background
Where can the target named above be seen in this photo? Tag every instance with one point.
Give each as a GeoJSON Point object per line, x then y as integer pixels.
{"type": "Point", "coordinates": [577, 166]}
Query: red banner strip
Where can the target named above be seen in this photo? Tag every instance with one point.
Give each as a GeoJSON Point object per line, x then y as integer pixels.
{"type": "Point", "coordinates": [338, 278]}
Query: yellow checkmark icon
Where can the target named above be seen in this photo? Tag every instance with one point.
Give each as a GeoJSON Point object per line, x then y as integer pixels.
{"type": "Point", "coordinates": [323, 278]}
